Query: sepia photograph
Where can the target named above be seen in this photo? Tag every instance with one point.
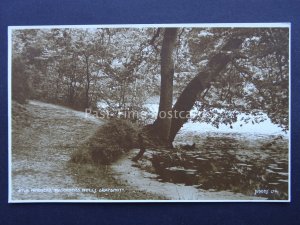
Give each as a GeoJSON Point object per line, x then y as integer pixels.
{"type": "Point", "coordinates": [149, 113]}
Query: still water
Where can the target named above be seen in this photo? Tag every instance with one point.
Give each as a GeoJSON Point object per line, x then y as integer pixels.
{"type": "Point", "coordinates": [251, 165]}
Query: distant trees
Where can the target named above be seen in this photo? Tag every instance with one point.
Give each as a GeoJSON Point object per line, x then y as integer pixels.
{"type": "Point", "coordinates": [222, 72]}
{"type": "Point", "coordinates": [82, 67]}
{"type": "Point", "coordinates": [20, 84]}
{"type": "Point", "coordinates": [23, 54]}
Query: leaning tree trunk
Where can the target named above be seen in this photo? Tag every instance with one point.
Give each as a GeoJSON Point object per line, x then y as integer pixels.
{"type": "Point", "coordinates": [163, 122]}
{"type": "Point", "coordinates": [188, 97]}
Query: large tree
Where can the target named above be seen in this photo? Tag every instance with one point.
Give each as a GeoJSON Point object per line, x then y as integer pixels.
{"type": "Point", "coordinates": [245, 60]}
{"type": "Point", "coordinates": [222, 72]}
{"type": "Point", "coordinates": [163, 121]}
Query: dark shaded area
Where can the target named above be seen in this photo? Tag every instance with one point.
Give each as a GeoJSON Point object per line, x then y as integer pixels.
{"type": "Point", "coordinates": [224, 163]}
{"type": "Point", "coordinates": [166, 87]}
{"type": "Point", "coordinates": [142, 148]}
{"type": "Point", "coordinates": [110, 141]}
{"type": "Point", "coordinates": [20, 84]}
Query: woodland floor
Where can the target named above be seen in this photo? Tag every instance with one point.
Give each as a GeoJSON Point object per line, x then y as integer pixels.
{"type": "Point", "coordinates": [222, 167]}
{"type": "Point", "coordinates": [43, 138]}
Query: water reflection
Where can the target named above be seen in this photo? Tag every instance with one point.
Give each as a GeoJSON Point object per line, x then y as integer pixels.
{"type": "Point", "coordinates": [229, 162]}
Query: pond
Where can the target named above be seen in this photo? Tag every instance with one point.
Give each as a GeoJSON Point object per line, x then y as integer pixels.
{"type": "Point", "coordinates": [251, 165]}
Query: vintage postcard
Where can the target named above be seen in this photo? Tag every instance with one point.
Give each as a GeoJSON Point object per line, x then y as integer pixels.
{"type": "Point", "coordinates": [164, 113]}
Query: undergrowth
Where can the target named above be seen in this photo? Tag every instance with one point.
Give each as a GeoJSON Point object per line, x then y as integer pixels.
{"type": "Point", "coordinates": [109, 142]}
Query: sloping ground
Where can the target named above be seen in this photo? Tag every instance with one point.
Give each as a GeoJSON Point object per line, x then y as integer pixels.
{"type": "Point", "coordinates": [40, 168]}
{"type": "Point", "coordinates": [41, 150]}
{"type": "Point", "coordinates": [43, 138]}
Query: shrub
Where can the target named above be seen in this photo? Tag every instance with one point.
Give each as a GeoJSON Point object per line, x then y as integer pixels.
{"type": "Point", "coordinates": [109, 142]}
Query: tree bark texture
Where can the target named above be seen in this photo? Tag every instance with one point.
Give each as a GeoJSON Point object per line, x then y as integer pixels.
{"type": "Point", "coordinates": [163, 122]}
{"type": "Point", "coordinates": [188, 97]}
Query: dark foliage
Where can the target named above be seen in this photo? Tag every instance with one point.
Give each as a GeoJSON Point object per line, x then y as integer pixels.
{"type": "Point", "coordinates": [108, 144]}
{"type": "Point", "coordinates": [20, 84]}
